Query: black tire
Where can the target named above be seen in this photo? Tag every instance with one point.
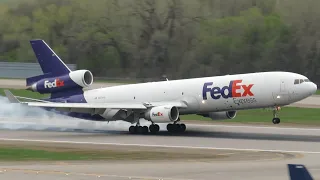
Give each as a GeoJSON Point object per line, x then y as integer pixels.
{"type": "Point", "coordinates": [276, 120]}
{"type": "Point", "coordinates": [137, 129]}
{"type": "Point", "coordinates": [157, 128]}
{"type": "Point", "coordinates": [132, 129]}
{"type": "Point", "coordinates": [183, 127]}
{"type": "Point", "coordinates": [145, 129]}
{"type": "Point", "coordinates": [152, 128]}
{"type": "Point", "coordinates": [170, 127]}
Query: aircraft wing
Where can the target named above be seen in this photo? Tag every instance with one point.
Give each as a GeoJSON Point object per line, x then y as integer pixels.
{"type": "Point", "coordinates": [124, 105]}
{"type": "Point", "coordinates": [92, 106]}
{"type": "Point", "coordinates": [87, 105]}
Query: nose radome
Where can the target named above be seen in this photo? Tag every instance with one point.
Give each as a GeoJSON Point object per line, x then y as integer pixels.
{"type": "Point", "coordinates": [314, 88]}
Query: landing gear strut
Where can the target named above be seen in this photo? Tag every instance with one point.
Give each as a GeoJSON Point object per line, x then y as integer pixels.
{"type": "Point", "coordinates": [275, 119]}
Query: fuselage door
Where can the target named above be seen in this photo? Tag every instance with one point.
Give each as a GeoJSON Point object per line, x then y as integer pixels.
{"type": "Point", "coordinates": [282, 96]}
{"type": "Point", "coordinates": [283, 86]}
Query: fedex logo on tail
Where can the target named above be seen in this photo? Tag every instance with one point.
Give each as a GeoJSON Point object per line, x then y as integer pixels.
{"type": "Point", "coordinates": [235, 89]}
{"type": "Point", "coordinates": [55, 83]}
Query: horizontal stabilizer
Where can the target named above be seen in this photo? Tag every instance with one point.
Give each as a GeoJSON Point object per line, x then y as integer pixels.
{"type": "Point", "coordinates": [11, 97]}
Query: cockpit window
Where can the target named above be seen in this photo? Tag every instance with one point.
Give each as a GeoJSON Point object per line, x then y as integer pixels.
{"type": "Point", "coordinates": [299, 81]}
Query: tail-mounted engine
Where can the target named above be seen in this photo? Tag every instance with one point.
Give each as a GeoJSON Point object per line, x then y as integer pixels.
{"type": "Point", "coordinates": [220, 115]}
{"type": "Point", "coordinates": [75, 79]}
{"type": "Point", "coordinates": [162, 114]}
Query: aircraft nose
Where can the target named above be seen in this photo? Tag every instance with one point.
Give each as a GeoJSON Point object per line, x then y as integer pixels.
{"type": "Point", "coordinates": [313, 88]}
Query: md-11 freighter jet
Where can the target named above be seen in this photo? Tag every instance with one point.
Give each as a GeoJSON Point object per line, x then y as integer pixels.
{"type": "Point", "coordinates": [218, 97]}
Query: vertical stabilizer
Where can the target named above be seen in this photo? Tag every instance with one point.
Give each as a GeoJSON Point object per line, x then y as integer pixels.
{"type": "Point", "coordinates": [49, 61]}
{"type": "Point", "coordinates": [299, 172]}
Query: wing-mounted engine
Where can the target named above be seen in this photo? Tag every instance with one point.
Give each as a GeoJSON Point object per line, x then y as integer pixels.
{"type": "Point", "coordinates": [162, 114]}
{"type": "Point", "coordinates": [220, 115]}
{"type": "Point", "coordinates": [75, 79]}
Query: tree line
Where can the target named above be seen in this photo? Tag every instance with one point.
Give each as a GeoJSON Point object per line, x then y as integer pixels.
{"type": "Point", "coordinates": [176, 38]}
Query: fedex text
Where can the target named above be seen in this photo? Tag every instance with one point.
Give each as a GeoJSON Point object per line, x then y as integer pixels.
{"type": "Point", "coordinates": [157, 114]}
{"type": "Point", "coordinates": [55, 83]}
{"type": "Point", "coordinates": [234, 90]}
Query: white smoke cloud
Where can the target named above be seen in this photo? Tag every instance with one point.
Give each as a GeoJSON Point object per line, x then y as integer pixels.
{"type": "Point", "coordinates": [16, 116]}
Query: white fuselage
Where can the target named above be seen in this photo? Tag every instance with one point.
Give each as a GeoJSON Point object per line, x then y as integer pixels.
{"type": "Point", "coordinates": [257, 90]}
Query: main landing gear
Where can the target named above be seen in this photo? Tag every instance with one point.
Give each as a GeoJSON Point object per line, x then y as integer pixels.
{"type": "Point", "coordinates": [176, 128]}
{"type": "Point", "coordinates": [275, 119]}
{"type": "Point", "coordinates": [153, 128]}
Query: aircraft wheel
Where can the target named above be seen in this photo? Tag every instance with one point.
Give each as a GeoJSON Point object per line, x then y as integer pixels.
{"type": "Point", "coordinates": [144, 129]}
{"type": "Point", "coordinates": [154, 128]}
{"type": "Point", "coordinates": [170, 127]}
{"type": "Point", "coordinates": [176, 128]}
{"type": "Point", "coordinates": [276, 120]}
{"type": "Point", "coordinates": [183, 127]}
{"type": "Point", "coordinates": [137, 129]}
{"type": "Point", "coordinates": [132, 129]}
{"type": "Point", "coordinates": [157, 127]}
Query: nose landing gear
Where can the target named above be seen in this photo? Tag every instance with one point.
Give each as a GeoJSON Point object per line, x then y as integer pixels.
{"type": "Point", "coordinates": [275, 119]}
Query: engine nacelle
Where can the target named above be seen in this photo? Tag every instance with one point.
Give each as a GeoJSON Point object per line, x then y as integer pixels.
{"type": "Point", "coordinates": [75, 79]}
{"type": "Point", "coordinates": [83, 78]}
{"type": "Point", "coordinates": [162, 114]}
{"type": "Point", "coordinates": [220, 115]}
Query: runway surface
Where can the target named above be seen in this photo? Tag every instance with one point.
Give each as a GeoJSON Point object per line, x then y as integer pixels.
{"type": "Point", "coordinates": [263, 153]}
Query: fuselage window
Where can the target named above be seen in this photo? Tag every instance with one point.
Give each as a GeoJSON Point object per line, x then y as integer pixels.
{"type": "Point", "coordinates": [296, 81]}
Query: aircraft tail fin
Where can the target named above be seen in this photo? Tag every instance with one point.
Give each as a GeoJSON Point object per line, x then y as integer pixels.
{"type": "Point", "coordinates": [49, 61]}
{"type": "Point", "coordinates": [299, 172]}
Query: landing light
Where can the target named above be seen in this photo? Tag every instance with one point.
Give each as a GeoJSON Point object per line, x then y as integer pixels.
{"type": "Point", "coordinates": [278, 97]}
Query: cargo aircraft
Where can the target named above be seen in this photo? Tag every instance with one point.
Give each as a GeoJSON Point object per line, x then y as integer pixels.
{"type": "Point", "coordinates": [218, 97]}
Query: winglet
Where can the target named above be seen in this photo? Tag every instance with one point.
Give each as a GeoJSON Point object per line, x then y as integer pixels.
{"type": "Point", "coordinates": [11, 97]}
{"type": "Point", "coordinates": [299, 172]}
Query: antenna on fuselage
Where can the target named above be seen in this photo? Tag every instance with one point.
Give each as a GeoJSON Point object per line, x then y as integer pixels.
{"type": "Point", "coordinates": [165, 77]}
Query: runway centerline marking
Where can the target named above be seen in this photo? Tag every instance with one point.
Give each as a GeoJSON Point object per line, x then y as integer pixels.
{"type": "Point", "coordinates": [162, 146]}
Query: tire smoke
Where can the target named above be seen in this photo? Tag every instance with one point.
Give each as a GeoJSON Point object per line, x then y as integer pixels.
{"type": "Point", "coordinates": [16, 117]}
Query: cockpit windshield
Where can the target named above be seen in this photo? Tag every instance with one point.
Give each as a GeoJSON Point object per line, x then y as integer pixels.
{"type": "Point", "coordinates": [299, 81]}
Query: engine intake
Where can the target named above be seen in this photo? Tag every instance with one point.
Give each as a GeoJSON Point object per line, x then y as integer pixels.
{"type": "Point", "coordinates": [83, 78]}
{"type": "Point", "coordinates": [162, 114]}
{"type": "Point", "coordinates": [220, 115]}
